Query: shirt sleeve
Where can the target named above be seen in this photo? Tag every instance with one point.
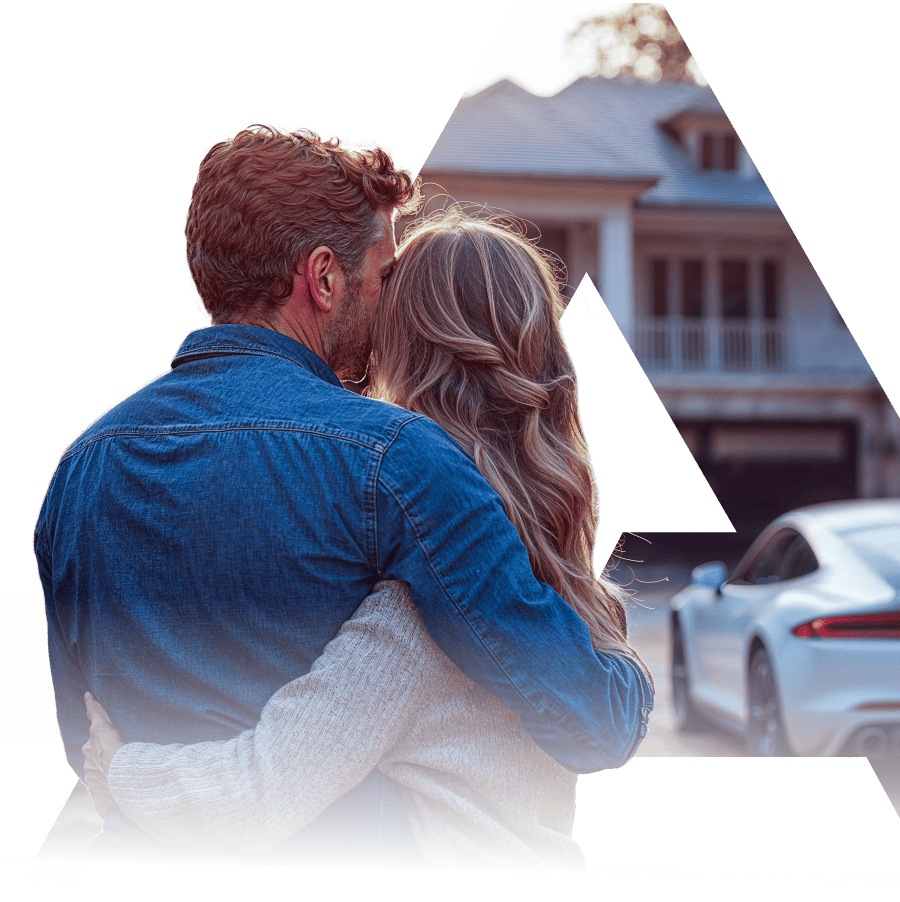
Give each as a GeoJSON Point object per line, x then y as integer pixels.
{"type": "Point", "coordinates": [443, 530]}
{"type": "Point", "coordinates": [317, 738]}
{"type": "Point", "coordinates": [69, 684]}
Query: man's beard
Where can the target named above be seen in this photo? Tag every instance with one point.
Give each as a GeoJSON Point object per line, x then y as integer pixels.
{"type": "Point", "coordinates": [347, 340]}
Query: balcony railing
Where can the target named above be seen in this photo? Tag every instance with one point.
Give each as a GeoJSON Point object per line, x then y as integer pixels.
{"type": "Point", "coordinates": [682, 345]}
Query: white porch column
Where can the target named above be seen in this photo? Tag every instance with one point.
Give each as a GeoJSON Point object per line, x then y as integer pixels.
{"type": "Point", "coordinates": [616, 265]}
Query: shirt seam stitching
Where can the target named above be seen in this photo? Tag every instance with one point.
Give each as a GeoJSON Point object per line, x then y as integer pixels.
{"type": "Point", "coordinates": [206, 430]}
{"type": "Point", "coordinates": [377, 479]}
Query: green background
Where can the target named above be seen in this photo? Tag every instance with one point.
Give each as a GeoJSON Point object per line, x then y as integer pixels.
{"type": "Point", "coordinates": [108, 106]}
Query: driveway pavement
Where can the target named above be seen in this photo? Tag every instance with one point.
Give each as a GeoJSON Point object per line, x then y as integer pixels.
{"type": "Point", "coordinates": [648, 630]}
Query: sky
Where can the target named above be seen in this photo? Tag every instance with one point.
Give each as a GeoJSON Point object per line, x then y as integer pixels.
{"type": "Point", "coordinates": [530, 46]}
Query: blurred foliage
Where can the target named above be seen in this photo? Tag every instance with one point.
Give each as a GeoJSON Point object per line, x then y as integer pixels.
{"type": "Point", "coordinates": [640, 43]}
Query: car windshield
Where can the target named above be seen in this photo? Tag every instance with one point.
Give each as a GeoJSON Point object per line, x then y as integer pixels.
{"type": "Point", "coordinates": [879, 547]}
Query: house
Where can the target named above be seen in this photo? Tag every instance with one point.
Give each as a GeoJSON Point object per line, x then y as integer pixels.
{"type": "Point", "coordinates": [648, 189]}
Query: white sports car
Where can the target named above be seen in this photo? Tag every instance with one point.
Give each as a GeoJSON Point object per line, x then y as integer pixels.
{"type": "Point", "coordinates": [799, 648]}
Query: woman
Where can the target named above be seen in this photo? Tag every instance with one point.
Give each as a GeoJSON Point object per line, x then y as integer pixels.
{"type": "Point", "coordinates": [468, 335]}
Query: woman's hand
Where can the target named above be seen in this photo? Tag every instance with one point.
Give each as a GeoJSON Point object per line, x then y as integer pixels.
{"type": "Point", "coordinates": [104, 741]}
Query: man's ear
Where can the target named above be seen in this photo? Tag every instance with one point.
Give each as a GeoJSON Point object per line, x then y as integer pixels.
{"type": "Point", "coordinates": [323, 276]}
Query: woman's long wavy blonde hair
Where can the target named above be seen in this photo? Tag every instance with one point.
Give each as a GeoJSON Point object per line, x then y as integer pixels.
{"type": "Point", "coordinates": [467, 334]}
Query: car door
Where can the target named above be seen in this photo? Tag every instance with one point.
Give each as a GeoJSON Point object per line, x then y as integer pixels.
{"type": "Point", "coordinates": [726, 619]}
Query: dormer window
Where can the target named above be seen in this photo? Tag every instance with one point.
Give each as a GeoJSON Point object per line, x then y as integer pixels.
{"type": "Point", "coordinates": [718, 151]}
{"type": "Point", "coordinates": [703, 130]}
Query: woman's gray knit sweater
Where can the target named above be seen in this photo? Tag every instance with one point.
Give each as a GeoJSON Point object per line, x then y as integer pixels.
{"type": "Point", "coordinates": [475, 786]}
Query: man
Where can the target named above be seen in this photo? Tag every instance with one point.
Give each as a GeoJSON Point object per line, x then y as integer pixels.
{"type": "Point", "coordinates": [201, 542]}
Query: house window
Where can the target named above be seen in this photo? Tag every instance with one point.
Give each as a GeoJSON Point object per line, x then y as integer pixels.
{"type": "Point", "coordinates": [718, 151]}
{"type": "Point", "coordinates": [707, 151]}
{"type": "Point", "coordinates": [692, 288]}
{"type": "Point", "coordinates": [729, 153]}
{"type": "Point", "coordinates": [659, 270]}
{"type": "Point", "coordinates": [708, 313]}
{"type": "Point", "coordinates": [735, 289]}
{"type": "Point", "coordinates": [555, 239]}
{"type": "Point", "coordinates": [770, 289]}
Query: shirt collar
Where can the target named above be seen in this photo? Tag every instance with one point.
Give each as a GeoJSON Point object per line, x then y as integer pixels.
{"type": "Point", "coordinates": [217, 341]}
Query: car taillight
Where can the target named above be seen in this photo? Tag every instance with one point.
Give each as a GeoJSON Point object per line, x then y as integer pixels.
{"type": "Point", "coordinates": [851, 626]}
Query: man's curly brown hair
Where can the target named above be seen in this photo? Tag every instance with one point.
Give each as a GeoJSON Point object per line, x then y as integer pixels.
{"type": "Point", "coordinates": [265, 199]}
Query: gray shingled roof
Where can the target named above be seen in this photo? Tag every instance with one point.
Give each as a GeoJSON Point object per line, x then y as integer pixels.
{"type": "Point", "coordinates": [595, 128]}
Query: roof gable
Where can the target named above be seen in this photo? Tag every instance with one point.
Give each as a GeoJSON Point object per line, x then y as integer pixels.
{"type": "Point", "coordinates": [594, 128]}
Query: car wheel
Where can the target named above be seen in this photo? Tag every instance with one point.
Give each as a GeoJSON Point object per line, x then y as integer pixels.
{"type": "Point", "coordinates": [687, 718]}
{"type": "Point", "coordinates": [765, 730]}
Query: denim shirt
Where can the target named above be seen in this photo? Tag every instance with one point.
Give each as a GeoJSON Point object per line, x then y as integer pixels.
{"type": "Point", "coordinates": [202, 541]}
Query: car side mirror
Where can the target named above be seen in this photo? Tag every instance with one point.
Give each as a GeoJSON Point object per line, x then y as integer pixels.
{"type": "Point", "coordinates": [710, 575]}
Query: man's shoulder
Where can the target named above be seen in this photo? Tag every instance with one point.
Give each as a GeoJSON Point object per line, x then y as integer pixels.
{"type": "Point", "coordinates": [398, 433]}
{"type": "Point", "coordinates": [420, 436]}
{"type": "Point", "coordinates": [424, 460]}
{"type": "Point", "coordinates": [369, 418]}
{"type": "Point", "coordinates": [114, 418]}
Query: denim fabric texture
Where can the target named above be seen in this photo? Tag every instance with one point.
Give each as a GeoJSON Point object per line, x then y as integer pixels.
{"type": "Point", "coordinates": [202, 541]}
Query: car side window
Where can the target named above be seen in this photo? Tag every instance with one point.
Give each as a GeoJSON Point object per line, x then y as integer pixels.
{"type": "Point", "coordinates": [765, 567]}
{"type": "Point", "coordinates": [786, 555]}
{"type": "Point", "coordinates": [799, 559]}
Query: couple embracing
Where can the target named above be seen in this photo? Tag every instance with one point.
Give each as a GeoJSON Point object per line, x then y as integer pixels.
{"type": "Point", "coordinates": [330, 625]}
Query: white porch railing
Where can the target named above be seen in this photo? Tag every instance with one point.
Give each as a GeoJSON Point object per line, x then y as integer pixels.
{"type": "Point", "coordinates": [679, 344]}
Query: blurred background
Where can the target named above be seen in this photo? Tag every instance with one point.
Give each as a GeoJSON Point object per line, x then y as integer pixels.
{"type": "Point", "coordinates": [635, 176]}
{"type": "Point", "coordinates": [611, 147]}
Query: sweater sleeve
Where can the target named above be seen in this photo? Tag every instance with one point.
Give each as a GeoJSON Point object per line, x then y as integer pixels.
{"type": "Point", "coordinates": [317, 738]}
